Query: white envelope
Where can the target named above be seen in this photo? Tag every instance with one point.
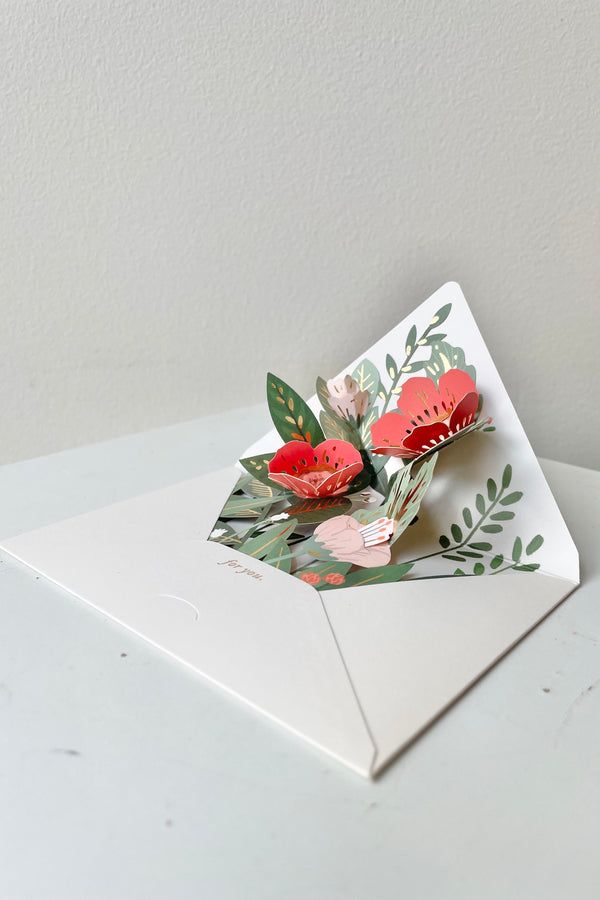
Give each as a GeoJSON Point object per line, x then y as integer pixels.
{"type": "Point", "coordinates": [358, 671]}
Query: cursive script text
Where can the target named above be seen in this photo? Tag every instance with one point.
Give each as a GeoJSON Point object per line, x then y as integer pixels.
{"type": "Point", "coordinates": [240, 569]}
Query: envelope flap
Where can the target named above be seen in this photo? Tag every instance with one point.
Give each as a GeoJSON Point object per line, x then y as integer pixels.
{"type": "Point", "coordinates": [465, 468]}
{"type": "Point", "coordinates": [252, 629]}
{"type": "Point", "coordinates": [412, 649]}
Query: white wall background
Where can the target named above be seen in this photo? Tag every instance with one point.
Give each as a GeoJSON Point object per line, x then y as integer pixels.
{"type": "Point", "coordinates": [195, 191]}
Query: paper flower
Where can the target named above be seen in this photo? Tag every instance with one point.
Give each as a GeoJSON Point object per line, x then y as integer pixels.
{"type": "Point", "coordinates": [310, 577]}
{"type": "Point", "coordinates": [429, 415]}
{"type": "Point", "coordinates": [347, 541]}
{"type": "Point", "coordinates": [345, 398]}
{"type": "Point", "coordinates": [334, 578]}
{"type": "Point", "coordinates": [322, 471]}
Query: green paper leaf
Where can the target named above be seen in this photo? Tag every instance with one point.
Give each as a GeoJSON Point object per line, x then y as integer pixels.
{"type": "Point", "coordinates": [327, 568]}
{"type": "Point", "coordinates": [453, 556]}
{"type": "Point", "coordinates": [491, 529]}
{"type": "Point", "coordinates": [456, 533]}
{"type": "Point", "coordinates": [441, 315]}
{"type": "Point", "coordinates": [434, 338]}
{"type": "Point", "coordinates": [279, 556]}
{"type": "Point", "coordinates": [480, 504]}
{"type": "Point", "coordinates": [534, 544]}
{"type": "Point", "coordinates": [511, 498]}
{"type": "Point", "coordinates": [377, 462]}
{"type": "Point", "coordinates": [391, 366]}
{"type": "Point", "coordinates": [481, 545]}
{"type": "Point", "coordinates": [292, 417]}
{"type": "Point", "coordinates": [478, 569]}
{"type": "Point", "coordinates": [411, 341]}
{"type": "Point", "coordinates": [245, 507]}
{"type": "Point", "coordinates": [336, 427]}
{"type": "Point", "coordinates": [411, 368]}
{"type": "Point", "coordinates": [364, 429]}
{"type": "Point", "coordinates": [258, 466]}
{"type": "Point", "coordinates": [308, 512]}
{"type": "Point", "coordinates": [242, 484]}
{"type": "Point", "coordinates": [263, 544]}
{"type": "Point", "coordinates": [445, 357]}
{"type": "Point", "coordinates": [375, 575]}
{"type": "Point", "coordinates": [517, 550]}
{"type": "Point", "coordinates": [506, 477]}
{"type": "Point", "coordinates": [471, 554]}
{"type": "Point", "coordinates": [444, 541]}
{"type": "Point", "coordinates": [467, 517]}
{"type": "Point", "coordinates": [492, 490]}
{"type": "Point", "coordinates": [366, 376]}
{"type": "Point", "coordinates": [497, 561]}
{"type": "Point", "coordinates": [406, 494]}
{"type": "Point", "coordinates": [230, 537]}
{"type": "Point", "coordinates": [502, 516]}
{"type": "Point", "coordinates": [458, 572]}
{"type": "Point", "coordinates": [527, 567]}
{"type": "Point", "coordinates": [260, 489]}
{"type": "Point", "coordinates": [323, 393]}
{"type": "Point", "coordinates": [489, 428]}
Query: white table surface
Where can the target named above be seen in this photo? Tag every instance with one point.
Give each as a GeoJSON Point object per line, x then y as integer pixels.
{"type": "Point", "coordinates": [124, 775]}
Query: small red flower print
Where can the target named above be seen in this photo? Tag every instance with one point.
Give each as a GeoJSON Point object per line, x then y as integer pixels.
{"type": "Point", "coordinates": [429, 415]}
{"type": "Point", "coordinates": [310, 577]}
{"type": "Point", "coordinates": [322, 471]}
{"type": "Point", "coordinates": [334, 578]}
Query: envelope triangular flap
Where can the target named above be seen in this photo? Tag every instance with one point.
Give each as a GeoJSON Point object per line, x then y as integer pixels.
{"type": "Point", "coordinates": [146, 563]}
{"type": "Point", "coordinates": [414, 647]}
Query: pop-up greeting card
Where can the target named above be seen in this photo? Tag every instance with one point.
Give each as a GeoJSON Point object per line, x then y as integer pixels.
{"type": "Point", "coordinates": [363, 564]}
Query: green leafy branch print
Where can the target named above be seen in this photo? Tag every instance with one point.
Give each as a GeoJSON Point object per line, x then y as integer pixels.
{"type": "Point", "coordinates": [497, 563]}
{"type": "Point", "coordinates": [395, 372]}
{"type": "Point", "coordinates": [462, 548]}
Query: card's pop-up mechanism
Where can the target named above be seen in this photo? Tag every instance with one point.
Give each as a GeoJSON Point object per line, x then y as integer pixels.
{"type": "Point", "coordinates": [356, 525]}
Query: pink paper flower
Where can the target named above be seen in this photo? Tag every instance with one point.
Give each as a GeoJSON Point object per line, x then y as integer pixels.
{"type": "Point", "coordinates": [428, 416]}
{"type": "Point", "coordinates": [324, 471]}
{"type": "Point", "coordinates": [348, 541]}
{"type": "Point", "coordinates": [345, 399]}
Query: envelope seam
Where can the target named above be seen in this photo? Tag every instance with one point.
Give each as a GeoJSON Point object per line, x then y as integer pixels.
{"type": "Point", "coordinates": [358, 703]}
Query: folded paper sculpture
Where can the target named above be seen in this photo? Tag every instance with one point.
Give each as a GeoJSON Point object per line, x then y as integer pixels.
{"type": "Point", "coordinates": [352, 603]}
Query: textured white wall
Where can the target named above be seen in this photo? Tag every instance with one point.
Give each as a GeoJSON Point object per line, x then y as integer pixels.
{"type": "Point", "coordinates": [195, 191]}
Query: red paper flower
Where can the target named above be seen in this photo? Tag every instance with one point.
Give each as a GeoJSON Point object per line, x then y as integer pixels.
{"type": "Point", "coordinates": [322, 471]}
{"type": "Point", "coordinates": [429, 415]}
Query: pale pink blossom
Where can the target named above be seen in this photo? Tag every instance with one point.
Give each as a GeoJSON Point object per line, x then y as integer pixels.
{"type": "Point", "coordinates": [345, 399]}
